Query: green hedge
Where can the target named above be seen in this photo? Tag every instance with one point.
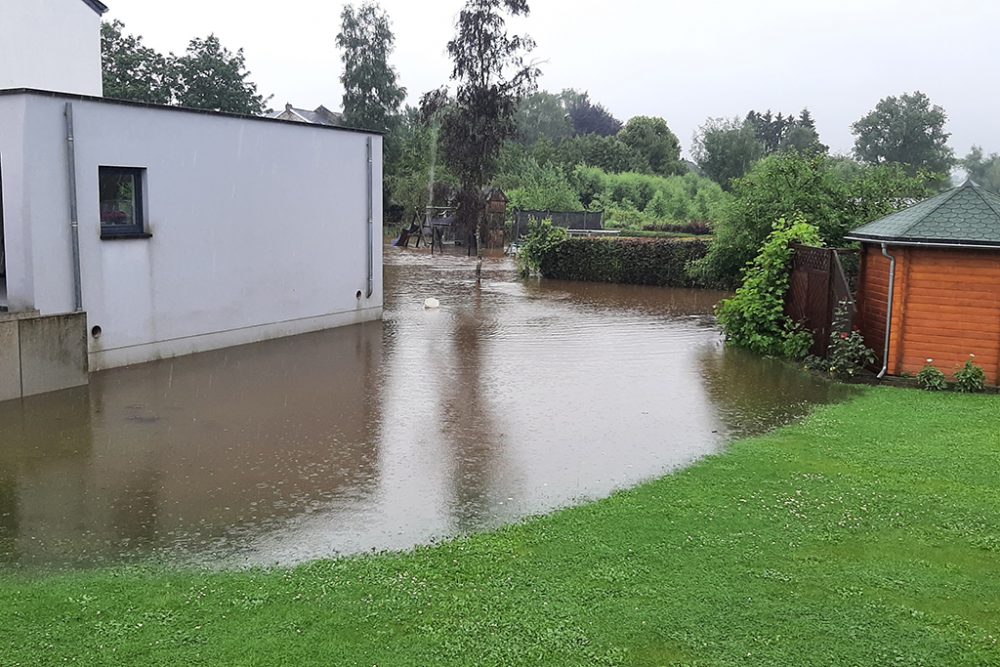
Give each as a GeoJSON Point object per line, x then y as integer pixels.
{"type": "Point", "coordinates": [635, 261]}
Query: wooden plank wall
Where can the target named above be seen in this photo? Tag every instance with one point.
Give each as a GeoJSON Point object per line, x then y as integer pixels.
{"type": "Point", "coordinates": [872, 298]}
{"type": "Point", "coordinates": [947, 306]}
{"type": "Point", "coordinates": [949, 310]}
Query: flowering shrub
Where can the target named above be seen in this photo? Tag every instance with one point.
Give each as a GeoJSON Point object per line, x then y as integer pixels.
{"type": "Point", "coordinates": [931, 378]}
{"type": "Point", "coordinates": [969, 377]}
{"type": "Point", "coordinates": [849, 354]}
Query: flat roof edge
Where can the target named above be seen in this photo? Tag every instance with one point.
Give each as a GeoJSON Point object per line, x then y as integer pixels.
{"type": "Point", "coordinates": [11, 92]}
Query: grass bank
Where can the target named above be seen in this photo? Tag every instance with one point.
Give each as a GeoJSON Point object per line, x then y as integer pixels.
{"type": "Point", "coordinates": [866, 536]}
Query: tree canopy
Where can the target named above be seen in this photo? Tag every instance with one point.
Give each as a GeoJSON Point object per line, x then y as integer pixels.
{"type": "Point", "coordinates": [207, 76]}
{"type": "Point", "coordinates": [132, 70]}
{"type": "Point", "coordinates": [492, 78]}
{"type": "Point", "coordinates": [372, 96]}
{"type": "Point", "coordinates": [906, 130]}
{"type": "Point", "coordinates": [983, 169]}
{"type": "Point", "coordinates": [834, 194]}
{"type": "Point", "coordinates": [655, 142]}
{"type": "Point", "coordinates": [726, 149]}
{"type": "Point", "coordinates": [588, 117]}
{"type": "Point", "coordinates": [210, 76]}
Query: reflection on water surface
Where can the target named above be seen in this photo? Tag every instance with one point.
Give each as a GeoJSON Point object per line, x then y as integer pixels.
{"type": "Point", "coordinates": [512, 399]}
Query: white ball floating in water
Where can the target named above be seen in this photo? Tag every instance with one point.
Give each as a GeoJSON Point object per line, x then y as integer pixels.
{"type": "Point", "coordinates": [432, 303]}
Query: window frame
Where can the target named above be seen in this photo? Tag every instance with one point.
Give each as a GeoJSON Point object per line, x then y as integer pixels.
{"type": "Point", "coordinates": [136, 230]}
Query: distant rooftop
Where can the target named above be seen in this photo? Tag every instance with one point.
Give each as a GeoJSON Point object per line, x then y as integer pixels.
{"type": "Point", "coordinates": [318, 116]}
{"type": "Point", "coordinates": [966, 215]}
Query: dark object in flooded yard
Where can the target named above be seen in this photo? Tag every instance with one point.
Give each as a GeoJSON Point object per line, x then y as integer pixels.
{"type": "Point", "coordinates": [517, 398]}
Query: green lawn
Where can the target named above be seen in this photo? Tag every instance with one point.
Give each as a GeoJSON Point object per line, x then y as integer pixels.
{"type": "Point", "coordinates": [869, 535]}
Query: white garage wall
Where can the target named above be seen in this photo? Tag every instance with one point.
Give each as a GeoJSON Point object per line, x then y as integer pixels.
{"type": "Point", "coordinates": [50, 45]}
{"type": "Point", "coordinates": [259, 228]}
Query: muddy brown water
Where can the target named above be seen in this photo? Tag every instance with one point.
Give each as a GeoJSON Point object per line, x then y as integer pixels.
{"type": "Point", "coordinates": [512, 399]}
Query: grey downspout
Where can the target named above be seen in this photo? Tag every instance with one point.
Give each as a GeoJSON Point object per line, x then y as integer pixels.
{"type": "Point", "coordinates": [74, 218]}
{"type": "Point", "coordinates": [888, 314]}
{"type": "Point", "coordinates": [371, 223]}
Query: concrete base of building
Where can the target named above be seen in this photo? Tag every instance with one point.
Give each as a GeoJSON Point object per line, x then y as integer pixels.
{"type": "Point", "coordinates": [101, 359]}
{"type": "Point", "coordinates": [41, 354]}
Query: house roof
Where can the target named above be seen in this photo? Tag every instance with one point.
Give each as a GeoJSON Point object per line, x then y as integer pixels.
{"type": "Point", "coordinates": [96, 5]}
{"type": "Point", "coordinates": [320, 116]}
{"type": "Point", "coordinates": [963, 216]}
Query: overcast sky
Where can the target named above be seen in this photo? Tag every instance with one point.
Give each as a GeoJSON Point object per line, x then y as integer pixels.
{"type": "Point", "coordinates": [683, 61]}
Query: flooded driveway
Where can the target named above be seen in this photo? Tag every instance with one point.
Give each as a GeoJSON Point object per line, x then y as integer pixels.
{"type": "Point", "coordinates": [512, 399]}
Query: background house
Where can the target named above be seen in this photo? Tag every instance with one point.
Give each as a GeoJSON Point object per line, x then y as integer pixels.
{"type": "Point", "coordinates": [930, 275]}
{"type": "Point", "coordinates": [170, 231]}
{"type": "Point", "coordinates": [320, 115]}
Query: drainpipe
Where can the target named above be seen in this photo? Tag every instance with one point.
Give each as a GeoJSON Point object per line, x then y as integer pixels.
{"type": "Point", "coordinates": [74, 218]}
{"type": "Point", "coordinates": [371, 224]}
{"type": "Point", "coordinates": [888, 314]}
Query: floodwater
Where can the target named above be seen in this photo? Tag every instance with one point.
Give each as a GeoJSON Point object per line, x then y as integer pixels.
{"type": "Point", "coordinates": [512, 399]}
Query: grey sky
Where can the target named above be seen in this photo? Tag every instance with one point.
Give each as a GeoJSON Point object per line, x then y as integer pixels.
{"type": "Point", "coordinates": [684, 61]}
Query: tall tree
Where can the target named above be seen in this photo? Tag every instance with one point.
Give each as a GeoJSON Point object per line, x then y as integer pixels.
{"type": "Point", "coordinates": [652, 139]}
{"type": "Point", "coordinates": [587, 117]}
{"type": "Point", "coordinates": [492, 78]}
{"type": "Point", "coordinates": [372, 96]}
{"type": "Point", "coordinates": [905, 130]}
{"type": "Point", "coordinates": [801, 136]}
{"type": "Point", "coordinates": [210, 76]}
{"type": "Point", "coordinates": [983, 169]}
{"type": "Point", "coordinates": [726, 149]}
{"type": "Point", "coordinates": [542, 116]}
{"type": "Point", "coordinates": [132, 70]}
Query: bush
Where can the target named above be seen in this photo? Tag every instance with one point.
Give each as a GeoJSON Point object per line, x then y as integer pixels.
{"type": "Point", "coordinates": [970, 378]}
{"type": "Point", "coordinates": [635, 261]}
{"type": "Point", "coordinates": [755, 317]}
{"type": "Point", "coordinates": [848, 354]}
{"type": "Point", "coordinates": [542, 237]}
{"type": "Point", "coordinates": [931, 378]}
{"type": "Point", "coordinates": [833, 195]}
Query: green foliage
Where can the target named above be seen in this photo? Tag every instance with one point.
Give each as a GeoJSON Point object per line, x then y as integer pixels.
{"type": "Point", "coordinates": [132, 70]}
{"type": "Point", "coordinates": [210, 76]}
{"type": "Point", "coordinates": [983, 169]}
{"type": "Point", "coordinates": [608, 153]}
{"type": "Point", "coordinates": [642, 201]}
{"type": "Point", "coordinates": [931, 378]}
{"type": "Point", "coordinates": [415, 171]}
{"type": "Point", "coordinates": [755, 317]}
{"type": "Point", "coordinates": [207, 76]}
{"type": "Point", "coordinates": [834, 194]}
{"type": "Point", "coordinates": [908, 131]}
{"type": "Point", "coordinates": [726, 149]}
{"type": "Point", "coordinates": [655, 142]}
{"type": "Point", "coordinates": [587, 117]}
{"type": "Point", "coordinates": [637, 261]}
{"type": "Point", "coordinates": [372, 96]}
{"type": "Point", "coordinates": [491, 78]}
{"type": "Point", "coordinates": [542, 116]}
{"type": "Point", "coordinates": [543, 236]}
{"type": "Point", "coordinates": [849, 354]}
{"type": "Point", "coordinates": [970, 377]}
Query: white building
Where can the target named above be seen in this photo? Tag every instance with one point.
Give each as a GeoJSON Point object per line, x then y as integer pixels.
{"type": "Point", "coordinates": [173, 230]}
{"type": "Point", "coordinates": [51, 45]}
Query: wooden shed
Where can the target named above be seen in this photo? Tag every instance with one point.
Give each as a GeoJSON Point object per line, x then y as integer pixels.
{"type": "Point", "coordinates": [930, 283]}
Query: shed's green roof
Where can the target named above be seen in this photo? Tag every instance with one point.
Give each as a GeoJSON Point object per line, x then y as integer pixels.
{"type": "Point", "coordinates": [966, 215]}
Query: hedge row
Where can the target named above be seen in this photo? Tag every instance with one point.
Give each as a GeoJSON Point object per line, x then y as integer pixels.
{"type": "Point", "coordinates": [635, 261]}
